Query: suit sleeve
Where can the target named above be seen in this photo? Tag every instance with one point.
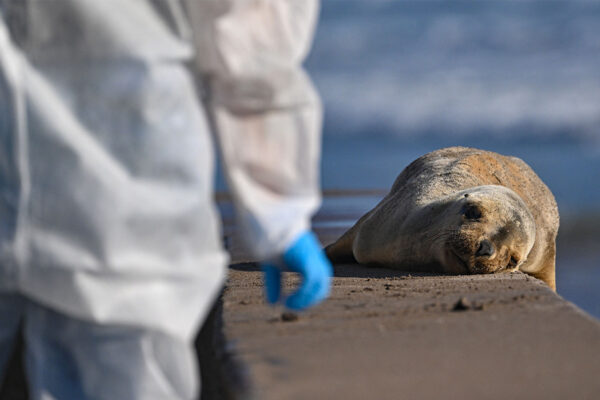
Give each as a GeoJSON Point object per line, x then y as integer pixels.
{"type": "Point", "coordinates": [265, 111]}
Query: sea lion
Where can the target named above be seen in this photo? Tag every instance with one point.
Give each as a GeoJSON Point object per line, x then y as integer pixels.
{"type": "Point", "coordinates": [462, 211]}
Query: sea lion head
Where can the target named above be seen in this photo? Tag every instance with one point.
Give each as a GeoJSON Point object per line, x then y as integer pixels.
{"type": "Point", "coordinates": [492, 230]}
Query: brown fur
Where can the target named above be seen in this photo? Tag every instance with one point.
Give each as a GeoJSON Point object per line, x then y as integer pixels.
{"type": "Point", "coordinates": [421, 218]}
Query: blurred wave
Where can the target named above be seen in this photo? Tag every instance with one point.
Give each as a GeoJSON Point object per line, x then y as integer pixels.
{"type": "Point", "coordinates": [513, 70]}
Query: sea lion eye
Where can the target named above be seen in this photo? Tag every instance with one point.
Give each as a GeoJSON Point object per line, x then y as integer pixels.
{"type": "Point", "coordinates": [513, 262]}
{"type": "Point", "coordinates": [472, 212]}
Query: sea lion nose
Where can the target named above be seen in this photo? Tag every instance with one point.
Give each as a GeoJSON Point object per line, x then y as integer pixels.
{"type": "Point", "coordinates": [486, 248]}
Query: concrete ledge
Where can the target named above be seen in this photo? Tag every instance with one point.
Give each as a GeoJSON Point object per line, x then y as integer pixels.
{"type": "Point", "coordinates": [387, 335]}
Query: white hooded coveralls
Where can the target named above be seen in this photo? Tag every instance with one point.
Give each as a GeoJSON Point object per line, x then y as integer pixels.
{"type": "Point", "coordinates": [106, 162]}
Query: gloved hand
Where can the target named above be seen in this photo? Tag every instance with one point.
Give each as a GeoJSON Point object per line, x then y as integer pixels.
{"type": "Point", "coordinates": [305, 257]}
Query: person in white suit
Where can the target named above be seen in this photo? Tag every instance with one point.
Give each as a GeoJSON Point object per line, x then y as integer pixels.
{"type": "Point", "coordinates": [110, 251]}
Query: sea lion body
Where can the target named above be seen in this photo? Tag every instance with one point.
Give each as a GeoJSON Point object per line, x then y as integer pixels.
{"type": "Point", "coordinates": [459, 210]}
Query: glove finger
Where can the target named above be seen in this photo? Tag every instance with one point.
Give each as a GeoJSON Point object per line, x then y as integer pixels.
{"type": "Point", "coordinates": [272, 279]}
{"type": "Point", "coordinates": [314, 289]}
{"type": "Point", "coordinates": [306, 257]}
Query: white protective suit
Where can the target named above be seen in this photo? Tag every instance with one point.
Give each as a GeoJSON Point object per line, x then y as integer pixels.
{"type": "Point", "coordinates": [106, 162]}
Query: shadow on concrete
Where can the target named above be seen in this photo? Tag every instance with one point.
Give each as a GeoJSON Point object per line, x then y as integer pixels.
{"type": "Point", "coordinates": [223, 377]}
{"type": "Point", "coordinates": [361, 271]}
{"type": "Point", "coordinates": [350, 270]}
{"type": "Point", "coordinates": [14, 385]}
{"type": "Point", "coordinates": [246, 266]}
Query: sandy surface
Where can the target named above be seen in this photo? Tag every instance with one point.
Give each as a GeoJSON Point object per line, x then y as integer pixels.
{"type": "Point", "coordinates": [387, 335]}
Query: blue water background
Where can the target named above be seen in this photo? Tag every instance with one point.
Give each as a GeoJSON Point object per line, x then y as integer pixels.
{"type": "Point", "coordinates": [401, 78]}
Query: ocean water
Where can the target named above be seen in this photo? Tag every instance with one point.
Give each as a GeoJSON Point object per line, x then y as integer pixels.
{"type": "Point", "coordinates": [519, 70]}
{"type": "Point", "coordinates": [401, 78]}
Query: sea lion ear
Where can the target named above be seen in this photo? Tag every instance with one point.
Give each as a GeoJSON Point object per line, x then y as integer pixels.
{"type": "Point", "coordinates": [466, 195]}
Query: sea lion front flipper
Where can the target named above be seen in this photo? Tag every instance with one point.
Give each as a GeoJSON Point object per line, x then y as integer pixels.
{"type": "Point", "coordinates": [340, 251]}
{"type": "Point", "coordinates": [547, 271]}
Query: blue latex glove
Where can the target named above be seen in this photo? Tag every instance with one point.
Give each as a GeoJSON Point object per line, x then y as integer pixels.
{"type": "Point", "coordinates": [305, 257]}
